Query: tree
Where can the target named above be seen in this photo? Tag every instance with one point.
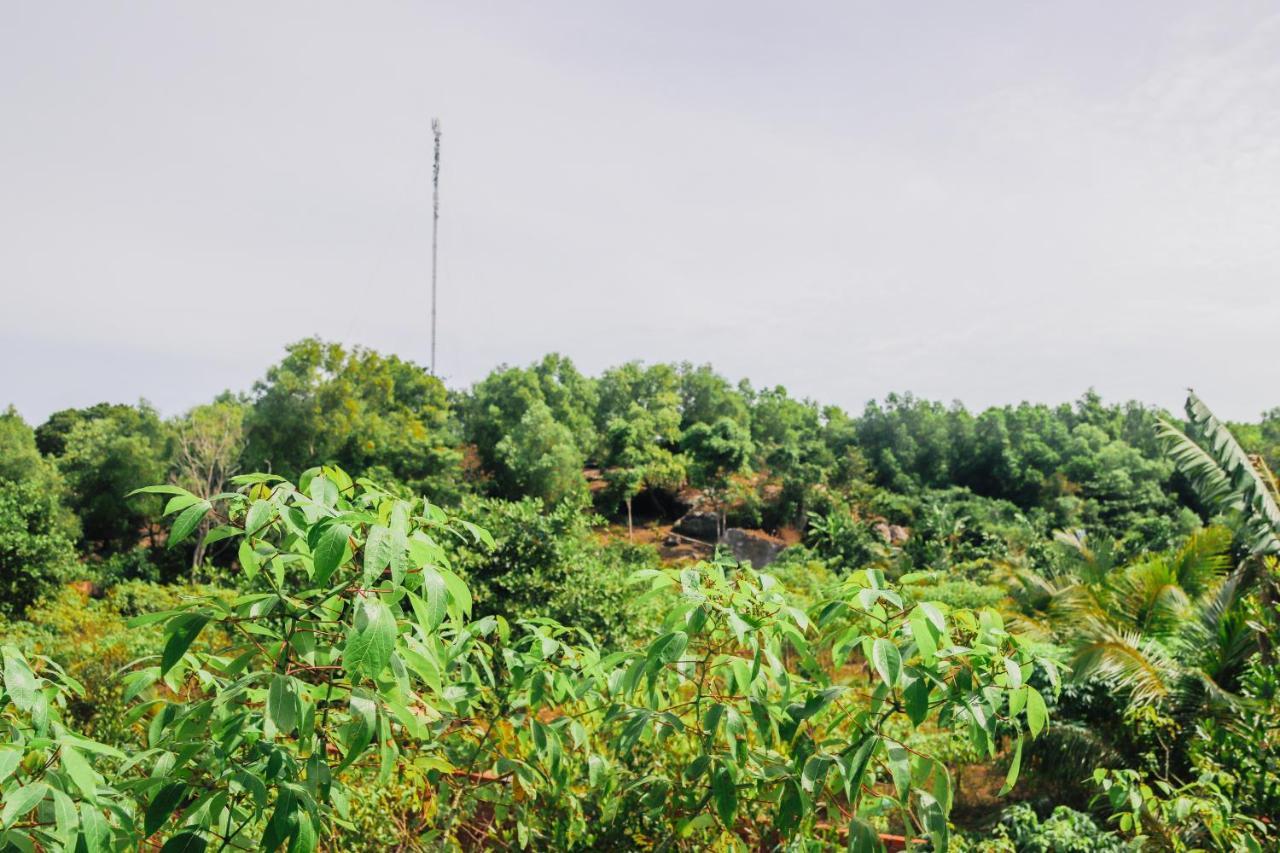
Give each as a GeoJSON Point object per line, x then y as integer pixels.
{"type": "Point", "coordinates": [106, 451]}
{"type": "Point", "coordinates": [497, 405]}
{"type": "Point", "coordinates": [540, 457]}
{"type": "Point", "coordinates": [1241, 487]}
{"type": "Point", "coordinates": [359, 409]}
{"type": "Point", "coordinates": [22, 462]}
{"type": "Point", "coordinates": [208, 442]}
{"type": "Point", "coordinates": [36, 553]}
{"type": "Point", "coordinates": [717, 452]}
{"type": "Point", "coordinates": [636, 459]}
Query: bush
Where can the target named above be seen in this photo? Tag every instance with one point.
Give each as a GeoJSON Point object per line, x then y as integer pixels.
{"type": "Point", "coordinates": [1064, 831]}
{"type": "Point", "coordinates": [35, 552]}
{"type": "Point", "coordinates": [548, 563]}
{"type": "Point", "coordinates": [91, 639]}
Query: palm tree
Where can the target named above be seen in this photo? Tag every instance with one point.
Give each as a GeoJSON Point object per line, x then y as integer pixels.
{"type": "Point", "coordinates": [1238, 486]}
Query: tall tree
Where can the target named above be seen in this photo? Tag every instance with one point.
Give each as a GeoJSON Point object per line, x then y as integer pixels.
{"type": "Point", "coordinates": [207, 445]}
{"type": "Point", "coordinates": [104, 452]}
{"type": "Point", "coordinates": [373, 414]}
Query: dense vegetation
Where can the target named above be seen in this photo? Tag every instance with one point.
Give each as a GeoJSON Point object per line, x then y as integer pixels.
{"type": "Point", "coordinates": [352, 607]}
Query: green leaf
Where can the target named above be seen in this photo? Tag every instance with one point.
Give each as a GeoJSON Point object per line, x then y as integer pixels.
{"type": "Point", "coordinates": [370, 639]}
{"type": "Point", "coordinates": [1014, 766]}
{"type": "Point", "coordinates": [10, 758]}
{"type": "Point", "coordinates": [1037, 713]}
{"type": "Point", "coordinates": [187, 521]}
{"type": "Point", "coordinates": [923, 633]}
{"type": "Point", "coordinates": [304, 840]}
{"type": "Point", "coordinates": [458, 592]}
{"type": "Point", "coordinates": [899, 768]}
{"type": "Point", "coordinates": [94, 829]}
{"type": "Point", "coordinates": [162, 805]}
{"type": "Point", "coordinates": [330, 550]}
{"type": "Point", "coordinates": [887, 661]}
{"type": "Point", "coordinates": [791, 807]}
{"type": "Point", "coordinates": [863, 837]}
{"type": "Point", "coordinates": [185, 842]}
{"type": "Point", "coordinates": [258, 517]}
{"type": "Point", "coordinates": [249, 560]}
{"type": "Point", "coordinates": [19, 681]}
{"type": "Point", "coordinates": [377, 552]}
{"type": "Point", "coordinates": [1014, 672]}
{"type": "Point", "coordinates": [282, 703]}
{"type": "Point", "coordinates": [178, 502]}
{"type": "Point", "coordinates": [725, 792]}
{"type": "Point", "coordinates": [159, 490]}
{"type": "Point", "coordinates": [429, 611]}
{"type": "Point", "coordinates": [19, 802]}
{"type": "Point", "coordinates": [81, 773]}
{"type": "Point", "coordinates": [182, 631]}
{"type": "Point", "coordinates": [916, 698]}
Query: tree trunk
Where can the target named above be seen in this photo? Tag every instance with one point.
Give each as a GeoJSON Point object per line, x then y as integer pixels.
{"type": "Point", "coordinates": [631, 535]}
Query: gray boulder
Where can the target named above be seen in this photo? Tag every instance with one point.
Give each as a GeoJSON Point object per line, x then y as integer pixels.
{"type": "Point", "coordinates": [753, 546]}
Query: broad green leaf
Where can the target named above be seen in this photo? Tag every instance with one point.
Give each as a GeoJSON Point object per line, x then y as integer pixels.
{"type": "Point", "coordinates": [330, 550]}
{"type": "Point", "coordinates": [258, 516]}
{"type": "Point", "coordinates": [370, 639]}
{"type": "Point", "coordinates": [923, 633]}
{"type": "Point", "coordinates": [887, 661]}
{"type": "Point", "coordinates": [94, 829]}
{"type": "Point", "coordinates": [187, 521]}
{"type": "Point", "coordinates": [178, 502]}
{"type": "Point", "coordinates": [377, 553]}
{"type": "Point", "coordinates": [181, 631]}
{"type": "Point", "coordinates": [1014, 767]}
{"type": "Point", "coordinates": [282, 703]}
{"type": "Point", "coordinates": [899, 768]}
{"type": "Point", "coordinates": [185, 842]}
{"type": "Point", "coordinates": [10, 757]}
{"type": "Point", "coordinates": [17, 802]}
{"type": "Point", "coordinates": [435, 598]}
{"type": "Point", "coordinates": [81, 773]}
{"type": "Point", "coordinates": [725, 792]}
{"type": "Point", "coordinates": [249, 560]}
{"type": "Point", "coordinates": [916, 698]}
{"type": "Point", "coordinates": [863, 837]}
{"type": "Point", "coordinates": [19, 681]}
{"type": "Point", "coordinates": [162, 805]}
{"type": "Point", "coordinates": [791, 807]}
{"type": "Point", "coordinates": [1037, 713]}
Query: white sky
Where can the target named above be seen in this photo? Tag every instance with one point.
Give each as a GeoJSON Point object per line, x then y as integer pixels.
{"type": "Point", "coordinates": [983, 201]}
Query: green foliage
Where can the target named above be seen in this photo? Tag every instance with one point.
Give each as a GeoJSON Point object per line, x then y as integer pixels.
{"type": "Point", "coordinates": [1159, 815]}
{"type": "Point", "coordinates": [504, 399]}
{"type": "Point", "coordinates": [35, 551]}
{"type": "Point", "coordinates": [351, 652]}
{"type": "Point", "coordinates": [354, 408]}
{"type": "Point", "coordinates": [845, 541]}
{"type": "Point", "coordinates": [540, 458]}
{"type": "Point", "coordinates": [1065, 830]}
{"type": "Point", "coordinates": [103, 453]}
{"type": "Point", "coordinates": [547, 562]}
{"type": "Point", "coordinates": [53, 790]}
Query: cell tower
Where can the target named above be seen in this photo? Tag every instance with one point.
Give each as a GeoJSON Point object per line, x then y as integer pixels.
{"type": "Point", "coordinates": [435, 230]}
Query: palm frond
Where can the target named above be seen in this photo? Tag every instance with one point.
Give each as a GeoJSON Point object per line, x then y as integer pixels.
{"type": "Point", "coordinates": [1248, 490]}
{"type": "Point", "coordinates": [1128, 663]}
{"type": "Point", "coordinates": [1204, 561]}
{"type": "Point", "coordinates": [1148, 598]}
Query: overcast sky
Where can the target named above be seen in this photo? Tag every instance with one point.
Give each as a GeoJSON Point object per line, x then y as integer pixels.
{"type": "Point", "coordinates": [979, 201]}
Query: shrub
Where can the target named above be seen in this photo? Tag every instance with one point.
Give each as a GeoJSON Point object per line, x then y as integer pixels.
{"type": "Point", "coordinates": [35, 552]}
{"type": "Point", "coordinates": [547, 562]}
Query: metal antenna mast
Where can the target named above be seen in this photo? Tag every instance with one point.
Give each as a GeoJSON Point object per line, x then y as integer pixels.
{"type": "Point", "coordinates": [435, 228]}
